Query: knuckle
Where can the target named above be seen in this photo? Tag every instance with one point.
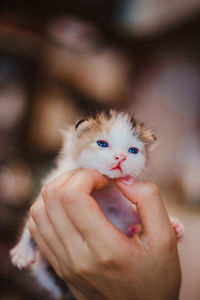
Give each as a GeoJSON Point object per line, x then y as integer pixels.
{"type": "Point", "coordinates": [67, 194]}
{"type": "Point", "coordinates": [35, 210]}
{"type": "Point", "coordinates": [81, 269]}
{"type": "Point", "coordinates": [50, 191]}
{"type": "Point", "coordinates": [46, 190]}
{"type": "Point", "coordinates": [32, 228]}
{"type": "Point", "coordinates": [151, 188]}
{"type": "Point", "coordinates": [110, 261]}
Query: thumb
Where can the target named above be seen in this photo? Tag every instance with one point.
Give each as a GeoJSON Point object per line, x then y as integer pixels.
{"type": "Point", "coordinates": [153, 215]}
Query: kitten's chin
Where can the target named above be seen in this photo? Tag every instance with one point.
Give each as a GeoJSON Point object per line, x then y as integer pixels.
{"type": "Point", "coordinates": [113, 174]}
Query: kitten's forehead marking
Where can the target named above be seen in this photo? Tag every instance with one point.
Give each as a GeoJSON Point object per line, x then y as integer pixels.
{"type": "Point", "coordinates": [120, 133]}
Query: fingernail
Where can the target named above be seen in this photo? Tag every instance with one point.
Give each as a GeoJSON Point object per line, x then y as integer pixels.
{"type": "Point", "coordinates": [126, 180]}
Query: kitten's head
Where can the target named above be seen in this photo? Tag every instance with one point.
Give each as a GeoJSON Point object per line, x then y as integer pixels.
{"type": "Point", "coordinates": [113, 144]}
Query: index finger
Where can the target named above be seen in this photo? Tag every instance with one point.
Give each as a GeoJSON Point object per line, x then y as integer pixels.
{"type": "Point", "coordinates": [83, 210]}
{"type": "Point", "coordinates": [153, 215]}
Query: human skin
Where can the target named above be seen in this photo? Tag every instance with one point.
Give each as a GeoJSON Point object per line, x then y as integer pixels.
{"type": "Point", "coordinates": [91, 255]}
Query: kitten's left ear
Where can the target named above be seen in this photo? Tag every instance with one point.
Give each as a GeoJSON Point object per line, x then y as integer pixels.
{"type": "Point", "coordinates": [149, 139]}
{"type": "Point", "coordinates": [149, 136]}
{"type": "Point", "coordinates": [146, 134]}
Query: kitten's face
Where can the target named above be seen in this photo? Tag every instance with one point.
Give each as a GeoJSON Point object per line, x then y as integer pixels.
{"type": "Point", "coordinates": [113, 146]}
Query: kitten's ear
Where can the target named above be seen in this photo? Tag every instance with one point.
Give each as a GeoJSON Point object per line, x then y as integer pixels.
{"type": "Point", "coordinates": [82, 125]}
{"type": "Point", "coordinates": [149, 136]}
{"type": "Point", "coordinates": [146, 134]}
{"type": "Point", "coordinates": [79, 123]}
{"type": "Point", "coordinates": [149, 139]}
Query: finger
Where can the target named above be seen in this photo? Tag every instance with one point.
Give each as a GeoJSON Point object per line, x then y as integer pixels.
{"type": "Point", "coordinates": [87, 180]}
{"type": "Point", "coordinates": [64, 177]}
{"type": "Point", "coordinates": [67, 232]}
{"type": "Point", "coordinates": [83, 210]}
{"type": "Point", "coordinates": [44, 248]}
{"type": "Point", "coordinates": [151, 210]}
{"type": "Point", "coordinates": [46, 230]}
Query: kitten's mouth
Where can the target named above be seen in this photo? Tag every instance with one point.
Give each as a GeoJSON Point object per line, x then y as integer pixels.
{"type": "Point", "coordinates": [117, 167]}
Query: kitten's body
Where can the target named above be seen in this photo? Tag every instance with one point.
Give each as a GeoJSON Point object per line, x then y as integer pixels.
{"type": "Point", "coordinates": [108, 144]}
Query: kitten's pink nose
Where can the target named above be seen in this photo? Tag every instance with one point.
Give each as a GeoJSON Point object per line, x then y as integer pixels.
{"type": "Point", "coordinates": [120, 157]}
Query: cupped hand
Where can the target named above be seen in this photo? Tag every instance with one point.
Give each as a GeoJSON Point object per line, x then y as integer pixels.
{"type": "Point", "coordinates": [91, 255]}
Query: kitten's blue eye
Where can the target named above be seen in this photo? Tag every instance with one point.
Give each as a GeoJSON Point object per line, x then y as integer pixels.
{"type": "Point", "coordinates": [133, 150]}
{"type": "Point", "coordinates": [102, 144]}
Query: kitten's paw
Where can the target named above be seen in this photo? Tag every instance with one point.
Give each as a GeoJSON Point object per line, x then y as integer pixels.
{"type": "Point", "coordinates": [178, 228]}
{"type": "Point", "coordinates": [22, 255]}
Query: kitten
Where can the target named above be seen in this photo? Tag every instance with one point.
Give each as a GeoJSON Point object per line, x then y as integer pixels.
{"type": "Point", "coordinates": [114, 144]}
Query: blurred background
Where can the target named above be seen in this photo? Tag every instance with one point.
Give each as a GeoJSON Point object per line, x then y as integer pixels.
{"type": "Point", "coordinates": [59, 59]}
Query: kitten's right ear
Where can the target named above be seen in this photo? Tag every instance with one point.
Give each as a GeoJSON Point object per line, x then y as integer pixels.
{"type": "Point", "coordinates": [79, 123]}
{"type": "Point", "coordinates": [82, 125]}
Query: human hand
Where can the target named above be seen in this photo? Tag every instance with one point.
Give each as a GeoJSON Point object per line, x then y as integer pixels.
{"type": "Point", "coordinates": [91, 255]}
